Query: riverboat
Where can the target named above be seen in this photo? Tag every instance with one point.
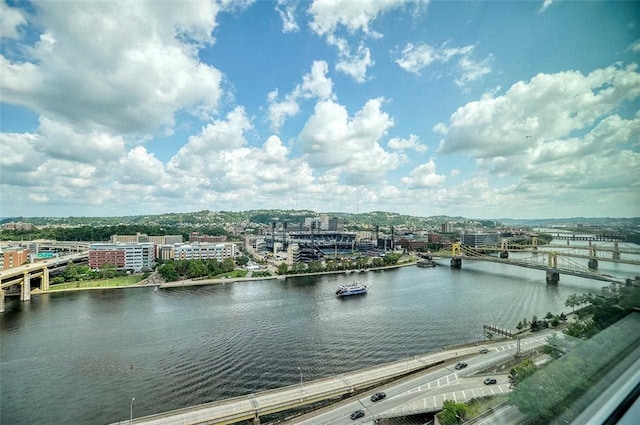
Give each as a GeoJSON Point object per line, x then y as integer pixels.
{"type": "Point", "coordinates": [353, 289]}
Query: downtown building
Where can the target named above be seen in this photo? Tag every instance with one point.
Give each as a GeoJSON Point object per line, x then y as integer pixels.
{"type": "Point", "coordinates": [134, 256]}
{"type": "Point", "coordinates": [477, 239]}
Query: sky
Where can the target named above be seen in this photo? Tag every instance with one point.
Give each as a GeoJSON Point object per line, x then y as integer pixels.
{"type": "Point", "coordinates": [506, 109]}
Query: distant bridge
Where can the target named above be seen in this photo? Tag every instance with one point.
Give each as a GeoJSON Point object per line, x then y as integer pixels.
{"type": "Point", "coordinates": [541, 260]}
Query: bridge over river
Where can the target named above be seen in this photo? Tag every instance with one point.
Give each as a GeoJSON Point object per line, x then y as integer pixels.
{"type": "Point", "coordinates": [547, 261]}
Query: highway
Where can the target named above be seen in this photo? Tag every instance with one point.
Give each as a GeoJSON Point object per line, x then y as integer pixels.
{"type": "Point", "coordinates": [421, 392]}
{"type": "Point", "coordinates": [427, 391]}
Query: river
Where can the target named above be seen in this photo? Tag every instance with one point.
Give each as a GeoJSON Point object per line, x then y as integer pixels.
{"type": "Point", "coordinates": [79, 357]}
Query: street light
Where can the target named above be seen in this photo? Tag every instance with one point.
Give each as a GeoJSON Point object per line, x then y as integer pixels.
{"type": "Point", "coordinates": [131, 417]}
{"type": "Point", "coordinates": [300, 370]}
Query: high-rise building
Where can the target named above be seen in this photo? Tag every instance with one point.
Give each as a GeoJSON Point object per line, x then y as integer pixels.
{"type": "Point", "coordinates": [480, 239]}
{"type": "Point", "coordinates": [446, 227]}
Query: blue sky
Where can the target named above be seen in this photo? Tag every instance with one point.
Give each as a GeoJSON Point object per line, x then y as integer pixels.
{"type": "Point", "coordinates": [481, 109]}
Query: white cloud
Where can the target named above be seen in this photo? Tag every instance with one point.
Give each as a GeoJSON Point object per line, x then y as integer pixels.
{"type": "Point", "coordinates": [331, 16]}
{"type": "Point", "coordinates": [413, 142]}
{"type": "Point", "coordinates": [62, 141]}
{"type": "Point", "coordinates": [545, 5]}
{"type": "Point", "coordinates": [356, 64]}
{"type": "Point", "coordinates": [354, 15]}
{"type": "Point", "coordinates": [331, 139]}
{"type": "Point", "coordinates": [11, 19]}
{"type": "Point", "coordinates": [286, 10]}
{"type": "Point", "coordinates": [414, 58]}
{"type": "Point", "coordinates": [423, 176]}
{"type": "Point", "coordinates": [635, 46]}
{"type": "Point", "coordinates": [124, 69]}
{"type": "Point", "coordinates": [315, 84]}
{"type": "Point", "coordinates": [547, 107]}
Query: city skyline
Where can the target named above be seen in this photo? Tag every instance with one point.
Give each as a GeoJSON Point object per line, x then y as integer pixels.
{"type": "Point", "coordinates": [475, 109]}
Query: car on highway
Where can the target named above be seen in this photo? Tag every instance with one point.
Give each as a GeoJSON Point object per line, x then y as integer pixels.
{"type": "Point", "coordinates": [483, 351]}
{"type": "Point", "coordinates": [490, 381]}
{"type": "Point", "coordinates": [460, 365]}
{"type": "Point", "coordinates": [378, 396]}
{"type": "Point", "coordinates": [357, 414]}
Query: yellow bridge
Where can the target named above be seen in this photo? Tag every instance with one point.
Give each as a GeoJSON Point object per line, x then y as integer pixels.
{"type": "Point", "coordinates": [543, 259]}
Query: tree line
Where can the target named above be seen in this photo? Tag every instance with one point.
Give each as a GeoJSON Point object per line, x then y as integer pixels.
{"type": "Point", "coordinates": [173, 270]}
{"type": "Point", "coordinates": [104, 233]}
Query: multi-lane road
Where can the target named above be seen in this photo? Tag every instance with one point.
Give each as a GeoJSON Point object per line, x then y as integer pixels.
{"type": "Point", "coordinates": [427, 391]}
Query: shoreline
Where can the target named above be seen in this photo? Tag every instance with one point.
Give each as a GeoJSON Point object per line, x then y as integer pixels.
{"type": "Point", "coordinates": [206, 281]}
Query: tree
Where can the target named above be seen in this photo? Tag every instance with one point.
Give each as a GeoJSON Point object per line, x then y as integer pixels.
{"type": "Point", "coordinates": [519, 326]}
{"type": "Point", "coordinates": [283, 268]}
{"type": "Point", "coordinates": [108, 270]}
{"type": "Point", "coordinates": [452, 413]}
{"type": "Point", "coordinates": [549, 316]}
{"type": "Point", "coordinates": [228, 265]}
{"type": "Point", "coordinates": [522, 371]}
{"type": "Point", "coordinates": [535, 324]}
{"type": "Point", "coordinates": [168, 271]}
{"type": "Point", "coordinates": [242, 260]}
{"type": "Point", "coordinates": [572, 301]}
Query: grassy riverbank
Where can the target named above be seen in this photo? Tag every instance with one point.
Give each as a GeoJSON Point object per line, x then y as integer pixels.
{"type": "Point", "coordinates": [120, 281]}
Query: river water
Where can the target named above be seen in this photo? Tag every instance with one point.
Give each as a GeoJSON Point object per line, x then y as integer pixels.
{"type": "Point", "coordinates": [80, 357]}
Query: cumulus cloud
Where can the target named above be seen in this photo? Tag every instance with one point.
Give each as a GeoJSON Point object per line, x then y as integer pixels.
{"type": "Point", "coordinates": [547, 107]}
{"type": "Point", "coordinates": [423, 176]}
{"type": "Point", "coordinates": [11, 19]}
{"type": "Point", "coordinates": [556, 130]}
{"type": "Point", "coordinates": [315, 84]}
{"type": "Point", "coordinates": [332, 139]}
{"type": "Point", "coordinates": [413, 142]}
{"type": "Point", "coordinates": [352, 14]}
{"type": "Point", "coordinates": [121, 69]}
{"type": "Point", "coordinates": [414, 58]}
{"type": "Point", "coordinates": [329, 18]}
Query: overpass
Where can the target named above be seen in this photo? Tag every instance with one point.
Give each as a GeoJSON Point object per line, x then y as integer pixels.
{"type": "Point", "coordinates": [22, 275]}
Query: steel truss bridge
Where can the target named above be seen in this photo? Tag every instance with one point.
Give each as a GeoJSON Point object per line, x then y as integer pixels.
{"type": "Point", "coordinates": [554, 263]}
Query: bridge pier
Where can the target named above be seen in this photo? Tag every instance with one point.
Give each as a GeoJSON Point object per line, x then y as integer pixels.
{"type": "Point", "coordinates": [25, 290]}
{"type": "Point", "coordinates": [44, 280]}
{"type": "Point", "coordinates": [616, 252]}
{"type": "Point", "coordinates": [456, 263]}
{"type": "Point", "coordinates": [255, 421]}
{"type": "Point", "coordinates": [1, 300]}
{"type": "Point", "coordinates": [553, 277]}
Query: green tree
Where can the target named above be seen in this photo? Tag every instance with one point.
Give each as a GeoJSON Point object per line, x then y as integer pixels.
{"type": "Point", "coordinates": [549, 316]}
{"type": "Point", "coordinates": [453, 413]}
{"type": "Point", "coordinates": [242, 260]}
{"type": "Point", "coordinates": [168, 271]}
{"type": "Point", "coordinates": [522, 371]}
{"type": "Point", "coordinates": [108, 270]}
{"type": "Point", "coordinates": [535, 324]}
{"type": "Point", "coordinates": [70, 272]}
{"type": "Point", "coordinates": [228, 265]}
{"type": "Point", "coordinates": [197, 269]}
{"type": "Point", "coordinates": [283, 268]}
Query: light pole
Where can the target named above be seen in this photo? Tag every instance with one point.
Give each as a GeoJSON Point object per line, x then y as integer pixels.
{"type": "Point", "coordinates": [300, 370]}
{"type": "Point", "coordinates": [131, 416]}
